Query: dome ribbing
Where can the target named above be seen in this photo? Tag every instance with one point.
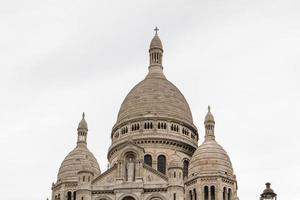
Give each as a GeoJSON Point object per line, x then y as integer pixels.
{"type": "Point", "coordinates": [210, 158]}
{"type": "Point", "coordinates": [75, 161]}
{"type": "Point", "coordinates": [155, 96]}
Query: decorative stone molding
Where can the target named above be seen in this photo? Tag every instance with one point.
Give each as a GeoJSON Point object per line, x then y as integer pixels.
{"type": "Point", "coordinates": [104, 173]}
{"type": "Point", "coordinates": [102, 192]}
{"type": "Point", "coordinates": [155, 172]}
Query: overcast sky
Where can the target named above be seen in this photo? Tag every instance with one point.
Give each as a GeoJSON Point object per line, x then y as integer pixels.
{"type": "Point", "coordinates": [60, 58]}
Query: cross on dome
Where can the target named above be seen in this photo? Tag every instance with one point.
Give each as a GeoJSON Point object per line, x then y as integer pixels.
{"type": "Point", "coordinates": [156, 30]}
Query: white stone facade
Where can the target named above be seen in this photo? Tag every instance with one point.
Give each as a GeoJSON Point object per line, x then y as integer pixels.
{"type": "Point", "coordinates": [154, 154]}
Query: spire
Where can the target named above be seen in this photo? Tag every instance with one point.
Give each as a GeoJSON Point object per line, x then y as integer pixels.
{"type": "Point", "coordinates": [82, 130]}
{"type": "Point", "coordinates": [156, 53]}
{"type": "Point", "coordinates": [209, 124]}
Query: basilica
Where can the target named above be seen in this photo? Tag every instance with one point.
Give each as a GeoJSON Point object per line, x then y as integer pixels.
{"type": "Point", "coordinates": [154, 152]}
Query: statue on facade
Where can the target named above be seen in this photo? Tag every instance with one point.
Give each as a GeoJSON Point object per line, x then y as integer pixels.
{"type": "Point", "coordinates": [130, 170]}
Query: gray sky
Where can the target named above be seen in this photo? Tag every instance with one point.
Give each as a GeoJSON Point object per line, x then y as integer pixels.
{"type": "Point", "coordinates": [60, 58]}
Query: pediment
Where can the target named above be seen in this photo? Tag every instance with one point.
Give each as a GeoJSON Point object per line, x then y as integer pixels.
{"type": "Point", "coordinates": [107, 178]}
{"type": "Point", "coordinates": [152, 176]}
{"type": "Point", "coordinates": [130, 146]}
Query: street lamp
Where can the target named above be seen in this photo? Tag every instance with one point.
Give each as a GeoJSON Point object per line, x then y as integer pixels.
{"type": "Point", "coordinates": [268, 193]}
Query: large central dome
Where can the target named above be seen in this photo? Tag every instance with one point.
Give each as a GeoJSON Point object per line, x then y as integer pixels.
{"type": "Point", "coordinates": [155, 96]}
{"type": "Point", "coordinates": [155, 112]}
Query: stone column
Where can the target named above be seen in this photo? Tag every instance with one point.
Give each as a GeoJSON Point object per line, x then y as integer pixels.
{"type": "Point", "coordinates": [137, 169]}
{"type": "Point", "coordinates": [119, 169]}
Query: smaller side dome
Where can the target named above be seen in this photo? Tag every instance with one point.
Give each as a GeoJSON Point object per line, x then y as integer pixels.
{"type": "Point", "coordinates": [175, 161]}
{"type": "Point", "coordinates": [78, 159]}
{"type": "Point", "coordinates": [210, 159]}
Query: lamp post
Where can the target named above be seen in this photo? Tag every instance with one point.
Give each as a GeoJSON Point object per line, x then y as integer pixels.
{"type": "Point", "coordinates": [268, 193]}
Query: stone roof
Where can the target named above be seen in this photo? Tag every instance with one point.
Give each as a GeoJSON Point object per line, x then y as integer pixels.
{"type": "Point", "coordinates": [156, 42]}
{"type": "Point", "coordinates": [210, 158]}
{"type": "Point", "coordinates": [209, 118]}
{"type": "Point", "coordinates": [78, 159]}
{"type": "Point", "coordinates": [82, 124]}
{"type": "Point", "coordinates": [155, 96]}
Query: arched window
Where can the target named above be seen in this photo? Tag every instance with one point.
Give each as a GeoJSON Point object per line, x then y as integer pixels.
{"type": "Point", "coordinates": [74, 195]}
{"type": "Point", "coordinates": [195, 194]}
{"type": "Point", "coordinates": [229, 194]}
{"type": "Point", "coordinates": [185, 168]}
{"type": "Point", "coordinates": [158, 125]}
{"type": "Point", "coordinates": [174, 174]}
{"type": "Point", "coordinates": [224, 193]}
{"type": "Point", "coordinates": [191, 195]}
{"type": "Point", "coordinates": [174, 196]}
{"type": "Point", "coordinates": [206, 193]}
{"type": "Point", "coordinates": [148, 125]}
{"type": "Point", "coordinates": [69, 196]}
{"type": "Point", "coordinates": [128, 198]}
{"type": "Point", "coordinates": [161, 164]}
{"type": "Point", "coordinates": [212, 193]}
{"type": "Point", "coordinates": [148, 160]}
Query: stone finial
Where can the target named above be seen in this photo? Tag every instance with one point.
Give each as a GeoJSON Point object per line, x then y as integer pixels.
{"type": "Point", "coordinates": [83, 124]}
{"type": "Point", "coordinates": [82, 131]}
{"type": "Point", "coordinates": [156, 42]}
{"type": "Point", "coordinates": [209, 123]}
{"type": "Point", "coordinates": [156, 55]}
{"type": "Point", "coordinates": [209, 118]}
